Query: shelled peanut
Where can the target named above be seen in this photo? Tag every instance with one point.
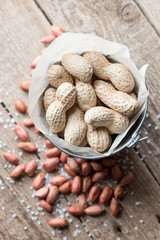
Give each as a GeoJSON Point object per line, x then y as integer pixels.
{"type": "Point", "coordinates": [88, 122]}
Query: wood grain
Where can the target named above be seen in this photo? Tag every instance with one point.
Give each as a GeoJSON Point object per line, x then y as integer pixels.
{"type": "Point", "coordinates": [120, 21]}
{"type": "Point", "coordinates": [151, 11]}
{"type": "Point", "coordinates": [123, 22]}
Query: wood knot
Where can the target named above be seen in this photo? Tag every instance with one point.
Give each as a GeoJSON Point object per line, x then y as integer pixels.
{"type": "Point", "coordinates": [129, 12]}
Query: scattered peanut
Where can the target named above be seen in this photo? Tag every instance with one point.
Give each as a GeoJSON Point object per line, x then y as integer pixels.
{"type": "Point", "coordinates": [46, 206]}
{"type": "Point", "coordinates": [48, 39]}
{"type": "Point", "coordinates": [58, 222]}
{"type": "Point", "coordinates": [75, 210]}
{"type": "Point", "coordinates": [94, 210]}
{"type": "Point", "coordinates": [94, 193]}
{"type": "Point", "coordinates": [42, 192]}
{"type": "Point", "coordinates": [58, 180]}
{"type": "Point", "coordinates": [17, 171]}
{"type": "Point", "coordinates": [21, 132]}
{"type": "Point", "coordinates": [19, 105]}
{"type": "Point", "coordinates": [51, 164]}
{"type": "Point", "coordinates": [11, 157]}
{"type": "Point", "coordinates": [31, 168]}
{"type": "Point", "coordinates": [53, 194]}
{"type": "Point", "coordinates": [56, 30]}
{"type": "Point", "coordinates": [24, 85]}
{"type": "Point", "coordinates": [76, 185]}
{"type": "Point", "coordinates": [27, 146]}
{"type": "Point", "coordinates": [38, 181]}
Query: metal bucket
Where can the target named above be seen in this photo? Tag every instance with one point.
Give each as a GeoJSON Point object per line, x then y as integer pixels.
{"type": "Point", "coordinates": [129, 140]}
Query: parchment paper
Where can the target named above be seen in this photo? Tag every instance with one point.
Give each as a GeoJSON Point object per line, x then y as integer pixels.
{"type": "Point", "coordinates": [79, 43]}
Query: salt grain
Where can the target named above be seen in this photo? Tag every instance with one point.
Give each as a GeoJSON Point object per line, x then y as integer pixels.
{"type": "Point", "coordinates": [70, 220]}
{"type": "Point", "coordinates": [25, 228]}
{"type": "Point", "coordinates": [138, 203]}
{"type": "Point", "coordinates": [3, 208]}
{"type": "Point", "coordinates": [131, 216]}
{"type": "Point", "coordinates": [141, 221]}
{"type": "Point", "coordinates": [135, 228]}
{"type": "Point", "coordinates": [14, 215]}
{"type": "Point", "coordinates": [20, 154]}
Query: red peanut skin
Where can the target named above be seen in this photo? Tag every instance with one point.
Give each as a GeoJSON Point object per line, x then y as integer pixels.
{"type": "Point", "coordinates": [66, 187]}
{"type": "Point", "coordinates": [81, 160]}
{"type": "Point", "coordinates": [99, 176]}
{"type": "Point", "coordinates": [51, 164]}
{"type": "Point", "coordinates": [82, 200]}
{"type": "Point", "coordinates": [97, 167]}
{"type": "Point", "coordinates": [28, 123]}
{"type": "Point", "coordinates": [58, 180]}
{"type": "Point", "coordinates": [21, 132]}
{"type": "Point", "coordinates": [108, 162]}
{"type": "Point", "coordinates": [116, 173]}
{"type": "Point", "coordinates": [49, 144]}
{"type": "Point", "coordinates": [68, 170]}
{"type": "Point", "coordinates": [31, 168]}
{"type": "Point", "coordinates": [17, 171]}
{"type": "Point", "coordinates": [24, 85]}
{"type": "Point", "coordinates": [94, 210]}
{"type": "Point", "coordinates": [75, 210]}
{"type": "Point", "coordinates": [87, 183]}
{"type": "Point", "coordinates": [58, 222]}
{"type": "Point", "coordinates": [42, 192]}
{"type": "Point", "coordinates": [11, 157]}
{"type": "Point", "coordinates": [38, 181]}
{"type": "Point", "coordinates": [86, 169]}
{"type": "Point", "coordinates": [53, 194]}
{"type": "Point", "coordinates": [73, 164]}
{"type": "Point", "coordinates": [94, 193]}
{"type": "Point", "coordinates": [76, 185]}
{"type": "Point", "coordinates": [45, 205]}
{"type": "Point", "coordinates": [127, 179]}
{"type": "Point", "coordinates": [115, 207]}
{"type": "Point", "coordinates": [53, 152]}
{"type": "Point", "coordinates": [105, 194]}
{"type": "Point", "coordinates": [56, 30]}
{"type": "Point", "coordinates": [19, 105]}
{"type": "Point", "coordinates": [63, 157]}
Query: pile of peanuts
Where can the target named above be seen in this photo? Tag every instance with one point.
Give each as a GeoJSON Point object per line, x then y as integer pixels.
{"type": "Point", "coordinates": [89, 99]}
{"type": "Point", "coordinates": [84, 176]}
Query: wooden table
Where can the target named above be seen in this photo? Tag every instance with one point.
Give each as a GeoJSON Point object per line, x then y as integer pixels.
{"type": "Point", "coordinates": [133, 23]}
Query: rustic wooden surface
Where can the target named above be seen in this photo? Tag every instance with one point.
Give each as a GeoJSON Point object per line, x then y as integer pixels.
{"type": "Point", "coordinates": [133, 23]}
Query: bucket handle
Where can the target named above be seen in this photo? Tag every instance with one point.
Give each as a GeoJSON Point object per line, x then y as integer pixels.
{"type": "Point", "coordinates": [136, 138]}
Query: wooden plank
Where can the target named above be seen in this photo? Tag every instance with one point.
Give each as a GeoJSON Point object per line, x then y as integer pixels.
{"type": "Point", "coordinates": [17, 197]}
{"type": "Point", "coordinates": [94, 223]}
{"type": "Point", "coordinates": [123, 22]}
{"type": "Point", "coordinates": [139, 209]}
{"type": "Point", "coordinates": [18, 56]}
{"type": "Point", "coordinates": [151, 10]}
{"type": "Point", "coordinates": [143, 191]}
